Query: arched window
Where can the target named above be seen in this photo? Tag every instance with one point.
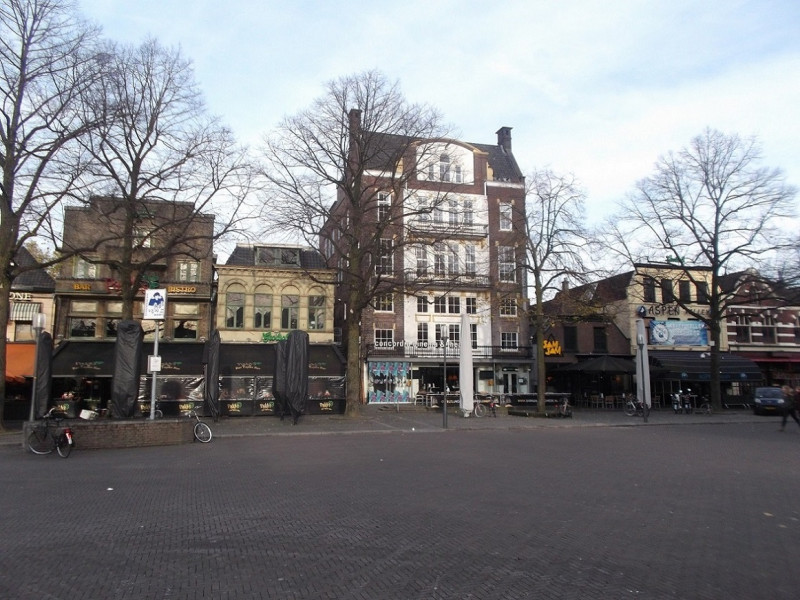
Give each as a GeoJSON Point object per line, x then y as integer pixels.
{"type": "Point", "coordinates": [262, 308]}
{"type": "Point", "coordinates": [234, 307]}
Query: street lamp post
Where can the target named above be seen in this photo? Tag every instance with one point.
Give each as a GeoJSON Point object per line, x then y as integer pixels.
{"type": "Point", "coordinates": [37, 324]}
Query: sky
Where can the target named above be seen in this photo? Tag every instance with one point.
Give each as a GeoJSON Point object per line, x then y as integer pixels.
{"type": "Point", "coordinates": [597, 89]}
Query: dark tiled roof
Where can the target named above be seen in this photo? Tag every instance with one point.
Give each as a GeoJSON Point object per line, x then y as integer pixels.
{"type": "Point", "coordinates": [31, 279]}
{"type": "Point", "coordinates": [245, 256]}
{"type": "Point", "coordinates": [502, 163]}
{"type": "Point", "coordinates": [390, 148]}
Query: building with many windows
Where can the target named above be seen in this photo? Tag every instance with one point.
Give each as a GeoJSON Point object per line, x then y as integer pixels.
{"type": "Point", "coordinates": [267, 290]}
{"type": "Point", "coordinates": [600, 318]}
{"type": "Point", "coordinates": [455, 248]}
{"type": "Point", "coordinates": [176, 245]}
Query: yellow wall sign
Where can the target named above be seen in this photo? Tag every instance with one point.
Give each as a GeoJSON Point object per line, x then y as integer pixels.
{"type": "Point", "coordinates": [552, 348]}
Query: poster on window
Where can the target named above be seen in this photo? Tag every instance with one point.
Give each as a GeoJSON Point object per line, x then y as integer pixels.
{"type": "Point", "coordinates": [678, 333]}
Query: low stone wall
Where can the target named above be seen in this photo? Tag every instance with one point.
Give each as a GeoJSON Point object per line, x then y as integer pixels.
{"type": "Point", "coordinates": [98, 434]}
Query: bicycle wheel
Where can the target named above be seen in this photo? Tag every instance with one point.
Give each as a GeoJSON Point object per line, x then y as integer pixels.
{"type": "Point", "coordinates": [202, 432]}
{"type": "Point", "coordinates": [480, 409]}
{"type": "Point", "coordinates": [705, 408]}
{"type": "Point", "coordinates": [39, 441]}
{"type": "Point", "coordinates": [630, 408]}
{"type": "Point", "coordinates": [63, 446]}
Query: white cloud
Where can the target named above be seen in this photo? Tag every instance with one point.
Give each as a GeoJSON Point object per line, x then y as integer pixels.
{"type": "Point", "coordinates": [595, 88]}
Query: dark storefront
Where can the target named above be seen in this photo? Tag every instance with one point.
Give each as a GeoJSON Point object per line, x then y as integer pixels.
{"type": "Point", "coordinates": [672, 371]}
{"type": "Point", "coordinates": [82, 374]}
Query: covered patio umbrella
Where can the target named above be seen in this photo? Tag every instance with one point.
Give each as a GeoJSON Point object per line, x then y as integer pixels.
{"type": "Point", "coordinates": [44, 373]}
{"type": "Point", "coordinates": [212, 375]}
{"type": "Point", "coordinates": [465, 378]}
{"type": "Point", "coordinates": [603, 364]}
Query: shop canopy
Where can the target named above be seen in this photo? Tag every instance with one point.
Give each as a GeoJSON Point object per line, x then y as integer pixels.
{"type": "Point", "coordinates": [19, 362]}
{"type": "Point", "coordinates": [602, 364]}
{"type": "Point", "coordinates": [696, 366]}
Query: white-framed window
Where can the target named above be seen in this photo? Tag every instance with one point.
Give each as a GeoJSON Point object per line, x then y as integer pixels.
{"type": "Point", "coordinates": [506, 263]}
{"type": "Point", "coordinates": [453, 212]}
{"type": "Point", "coordinates": [384, 206]}
{"type": "Point", "coordinates": [473, 334]}
{"type": "Point", "coordinates": [188, 271]}
{"type": "Point", "coordinates": [384, 302]}
{"type": "Point", "coordinates": [508, 307]}
{"type": "Point", "coordinates": [452, 261]}
{"type": "Point", "coordinates": [743, 329]}
{"type": "Point", "coordinates": [508, 340]}
{"type": "Point", "coordinates": [454, 305]}
{"type": "Point", "coordinates": [423, 210]}
{"type": "Point", "coordinates": [384, 338]}
{"type": "Point", "coordinates": [385, 264]}
{"type": "Point", "coordinates": [768, 329]}
{"type": "Point", "coordinates": [422, 261]}
{"type": "Point", "coordinates": [422, 335]}
{"type": "Point", "coordinates": [505, 216]}
{"type": "Point", "coordinates": [444, 167]}
{"type": "Point", "coordinates": [439, 268]}
{"type": "Point", "coordinates": [452, 332]}
{"type": "Point", "coordinates": [83, 269]}
{"type": "Point", "coordinates": [142, 237]}
{"type": "Point", "coordinates": [440, 304]}
{"type": "Point", "coordinates": [422, 304]}
{"type": "Point", "coordinates": [469, 212]}
{"type": "Point", "coordinates": [470, 268]}
{"type": "Point", "coordinates": [316, 312]}
{"type": "Point", "coordinates": [471, 305]}
{"type": "Point", "coordinates": [458, 174]}
{"type": "Point", "coordinates": [262, 311]}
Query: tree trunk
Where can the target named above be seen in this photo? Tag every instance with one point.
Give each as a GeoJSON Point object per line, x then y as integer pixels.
{"type": "Point", "coordinates": [353, 373]}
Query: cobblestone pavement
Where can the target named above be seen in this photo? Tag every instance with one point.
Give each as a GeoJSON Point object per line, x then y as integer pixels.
{"type": "Point", "coordinates": [686, 506]}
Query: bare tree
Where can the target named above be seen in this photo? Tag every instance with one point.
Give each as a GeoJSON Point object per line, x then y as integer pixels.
{"type": "Point", "coordinates": [165, 163]}
{"type": "Point", "coordinates": [339, 172]}
{"type": "Point", "coordinates": [708, 205]}
{"type": "Point", "coordinates": [556, 243]}
{"type": "Point", "coordinates": [48, 65]}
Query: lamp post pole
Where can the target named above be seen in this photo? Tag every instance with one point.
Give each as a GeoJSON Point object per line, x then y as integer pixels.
{"type": "Point", "coordinates": [444, 385]}
{"type": "Point", "coordinates": [37, 324]}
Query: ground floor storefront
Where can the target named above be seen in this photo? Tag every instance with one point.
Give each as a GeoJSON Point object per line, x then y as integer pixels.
{"type": "Point", "coordinates": [424, 380]}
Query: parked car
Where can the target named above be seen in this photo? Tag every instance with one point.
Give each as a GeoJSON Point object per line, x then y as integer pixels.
{"type": "Point", "coordinates": [768, 400]}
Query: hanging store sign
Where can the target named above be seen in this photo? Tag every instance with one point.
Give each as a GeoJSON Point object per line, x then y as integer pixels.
{"type": "Point", "coordinates": [678, 333]}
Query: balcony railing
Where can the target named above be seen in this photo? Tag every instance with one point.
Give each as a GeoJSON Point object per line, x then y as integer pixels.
{"type": "Point", "coordinates": [434, 350]}
{"type": "Point", "coordinates": [458, 280]}
{"type": "Point", "coordinates": [452, 230]}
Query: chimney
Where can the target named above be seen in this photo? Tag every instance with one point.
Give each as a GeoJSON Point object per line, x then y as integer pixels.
{"type": "Point", "coordinates": [564, 285]}
{"type": "Point", "coordinates": [504, 138]}
{"type": "Point", "coordinates": [354, 154]}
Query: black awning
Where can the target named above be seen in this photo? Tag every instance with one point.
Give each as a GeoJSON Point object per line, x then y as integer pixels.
{"type": "Point", "coordinates": [177, 358]}
{"type": "Point", "coordinates": [246, 359]}
{"type": "Point", "coordinates": [84, 359]}
{"type": "Point", "coordinates": [696, 366]}
{"type": "Point", "coordinates": [325, 359]}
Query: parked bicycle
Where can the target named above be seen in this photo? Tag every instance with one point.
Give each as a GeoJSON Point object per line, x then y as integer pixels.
{"type": "Point", "coordinates": [202, 432]}
{"type": "Point", "coordinates": [634, 407]}
{"type": "Point", "coordinates": [47, 435]}
{"type": "Point", "coordinates": [479, 408]}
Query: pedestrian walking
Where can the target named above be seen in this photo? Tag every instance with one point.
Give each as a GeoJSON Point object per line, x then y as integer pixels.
{"type": "Point", "coordinates": [789, 397]}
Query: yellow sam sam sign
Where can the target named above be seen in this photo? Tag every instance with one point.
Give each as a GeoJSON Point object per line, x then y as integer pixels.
{"type": "Point", "coordinates": [551, 347]}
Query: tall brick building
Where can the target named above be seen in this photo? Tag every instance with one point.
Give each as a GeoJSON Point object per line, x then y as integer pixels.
{"type": "Point", "coordinates": [455, 246]}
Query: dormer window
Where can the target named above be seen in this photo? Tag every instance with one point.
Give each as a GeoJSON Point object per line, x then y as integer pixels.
{"type": "Point", "coordinates": [444, 167]}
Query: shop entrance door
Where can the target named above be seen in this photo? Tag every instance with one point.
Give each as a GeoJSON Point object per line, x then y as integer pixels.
{"type": "Point", "coordinates": [510, 383]}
